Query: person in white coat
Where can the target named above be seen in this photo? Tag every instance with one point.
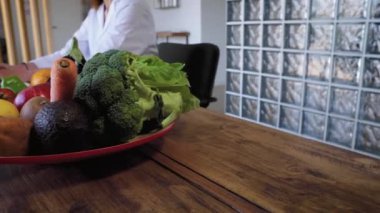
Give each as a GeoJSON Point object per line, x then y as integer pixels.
{"type": "Point", "coordinates": [110, 24]}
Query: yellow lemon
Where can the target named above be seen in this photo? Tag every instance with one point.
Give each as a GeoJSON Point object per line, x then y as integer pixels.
{"type": "Point", "coordinates": [8, 109]}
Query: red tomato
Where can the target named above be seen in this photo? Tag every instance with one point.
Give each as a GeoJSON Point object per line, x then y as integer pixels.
{"type": "Point", "coordinates": [7, 94]}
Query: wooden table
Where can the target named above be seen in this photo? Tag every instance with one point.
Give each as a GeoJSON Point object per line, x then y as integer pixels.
{"type": "Point", "coordinates": [209, 162]}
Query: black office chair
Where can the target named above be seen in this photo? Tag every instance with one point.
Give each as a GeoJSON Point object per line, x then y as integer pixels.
{"type": "Point", "coordinates": [201, 63]}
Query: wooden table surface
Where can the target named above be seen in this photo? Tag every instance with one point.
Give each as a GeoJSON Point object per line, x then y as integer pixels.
{"type": "Point", "coordinates": [209, 162]}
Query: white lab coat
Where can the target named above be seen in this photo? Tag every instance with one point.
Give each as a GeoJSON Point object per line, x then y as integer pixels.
{"type": "Point", "coordinates": [129, 26]}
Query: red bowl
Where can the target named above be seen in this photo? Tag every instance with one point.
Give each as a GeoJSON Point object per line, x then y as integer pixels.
{"type": "Point", "coordinates": [85, 154]}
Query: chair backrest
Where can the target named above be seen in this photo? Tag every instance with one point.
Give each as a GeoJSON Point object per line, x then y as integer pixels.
{"type": "Point", "coordinates": [18, 7]}
{"type": "Point", "coordinates": [201, 63]}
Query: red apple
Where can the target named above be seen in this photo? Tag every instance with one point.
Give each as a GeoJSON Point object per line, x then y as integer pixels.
{"type": "Point", "coordinates": [7, 94]}
{"type": "Point", "coordinates": [24, 95]}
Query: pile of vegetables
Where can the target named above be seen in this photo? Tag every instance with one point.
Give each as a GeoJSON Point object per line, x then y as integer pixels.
{"type": "Point", "coordinates": [77, 104]}
{"type": "Point", "coordinates": [126, 94]}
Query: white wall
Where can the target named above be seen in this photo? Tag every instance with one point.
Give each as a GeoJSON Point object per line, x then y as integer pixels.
{"type": "Point", "coordinates": [213, 31]}
{"type": "Point", "coordinates": [66, 18]}
{"type": "Point", "coordinates": [185, 18]}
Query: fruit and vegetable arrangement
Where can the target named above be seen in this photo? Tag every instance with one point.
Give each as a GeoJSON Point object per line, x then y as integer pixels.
{"type": "Point", "coordinates": [79, 105]}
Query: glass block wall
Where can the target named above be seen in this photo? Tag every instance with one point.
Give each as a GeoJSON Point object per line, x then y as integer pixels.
{"type": "Point", "coordinates": [307, 67]}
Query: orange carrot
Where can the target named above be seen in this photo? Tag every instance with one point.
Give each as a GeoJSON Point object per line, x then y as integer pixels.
{"type": "Point", "coordinates": [63, 78]}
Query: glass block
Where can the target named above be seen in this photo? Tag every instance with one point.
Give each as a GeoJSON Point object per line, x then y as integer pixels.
{"type": "Point", "coordinates": [313, 125]}
{"type": "Point", "coordinates": [322, 9]}
{"type": "Point", "coordinates": [370, 106]}
{"type": "Point", "coordinates": [272, 9]}
{"type": "Point", "coordinates": [349, 37]}
{"type": "Point", "coordinates": [343, 101]}
{"type": "Point", "coordinates": [252, 60]}
{"type": "Point", "coordinates": [295, 36]}
{"type": "Point", "coordinates": [273, 35]}
{"type": "Point", "coordinates": [234, 11]}
{"type": "Point", "coordinates": [251, 85]}
{"type": "Point", "coordinates": [340, 131]}
{"type": "Point", "coordinates": [375, 9]}
{"type": "Point", "coordinates": [252, 35]}
{"type": "Point", "coordinates": [294, 64]}
{"type": "Point", "coordinates": [249, 108]}
{"type": "Point", "coordinates": [371, 77]}
{"type": "Point", "coordinates": [347, 70]}
{"type": "Point", "coordinates": [352, 8]}
{"type": "Point", "coordinates": [320, 37]}
{"type": "Point", "coordinates": [252, 10]}
{"type": "Point", "coordinates": [270, 88]}
{"type": "Point", "coordinates": [268, 113]}
{"type": "Point", "coordinates": [233, 59]}
{"type": "Point", "coordinates": [271, 62]}
{"type": "Point", "coordinates": [373, 45]}
{"type": "Point", "coordinates": [296, 9]}
{"type": "Point", "coordinates": [292, 92]}
{"type": "Point", "coordinates": [318, 67]}
{"type": "Point", "coordinates": [233, 35]}
{"type": "Point", "coordinates": [368, 139]}
{"type": "Point", "coordinates": [290, 118]}
{"type": "Point", "coordinates": [233, 82]}
{"type": "Point", "coordinates": [232, 104]}
{"type": "Point", "coordinates": [316, 96]}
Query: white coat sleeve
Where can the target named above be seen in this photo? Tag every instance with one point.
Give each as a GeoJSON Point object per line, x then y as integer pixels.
{"type": "Point", "coordinates": [81, 34]}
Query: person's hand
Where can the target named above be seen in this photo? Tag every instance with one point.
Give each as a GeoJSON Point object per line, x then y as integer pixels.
{"type": "Point", "coordinates": [24, 71]}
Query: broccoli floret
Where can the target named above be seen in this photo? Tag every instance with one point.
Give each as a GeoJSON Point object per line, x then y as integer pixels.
{"type": "Point", "coordinates": [121, 60]}
{"type": "Point", "coordinates": [98, 125]}
{"type": "Point", "coordinates": [127, 94]}
{"type": "Point", "coordinates": [107, 85]}
{"type": "Point", "coordinates": [107, 54]}
{"type": "Point", "coordinates": [124, 119]}
{"type": "Point", "coordinates": [91, 66]}
{"type": "Point", "coordinates": [119, 103]}
{"type": "Point", "coordinates": [83, 95]}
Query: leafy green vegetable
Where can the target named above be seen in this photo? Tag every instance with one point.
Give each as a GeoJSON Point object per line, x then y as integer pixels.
{"type": "Point", "coordinates": [126, 94]}
{"type": "Point", "coordinates": [76, 55]}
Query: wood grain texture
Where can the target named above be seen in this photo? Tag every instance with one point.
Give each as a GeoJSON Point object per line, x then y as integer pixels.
{"type": "Point", "coordinates": [234, 201]}
{"type": "Point", "coordinates": [277, 171]}
{"type": "Point", "coordinates": [125, 182]}
{"type": "Point", "coordinates": [36, 27]}
{"type": "Point", "coordinates": [8, 30]}
{"type": "Point", "coordinates": [23, 32]}
{"type": "Point", "coordinates": [47, 25]}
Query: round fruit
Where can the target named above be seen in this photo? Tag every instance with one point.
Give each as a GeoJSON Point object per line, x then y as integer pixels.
{"type": "Point", "coordinates": [40, 77]}
{"type": "Point", "coordinates": [30, 92]}
{"type": "Point", "coordinates": [60, 126]}
{"type": "Point", "coordinates": [8, 110]}
{"type": "Point", "coordinates": [32, 106]}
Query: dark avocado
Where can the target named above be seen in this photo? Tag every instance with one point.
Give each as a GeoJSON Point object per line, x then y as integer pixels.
{"type": "Point", "coordinates": [59, 127]}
